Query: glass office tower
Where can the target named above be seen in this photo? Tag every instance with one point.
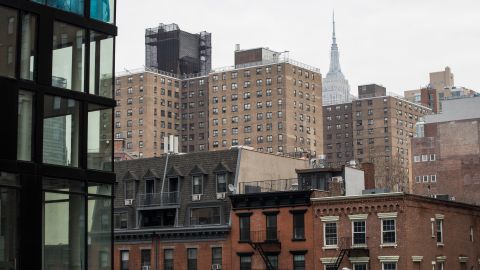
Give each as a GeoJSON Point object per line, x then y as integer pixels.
{"type": "Point", "coordinates": [56, 148]}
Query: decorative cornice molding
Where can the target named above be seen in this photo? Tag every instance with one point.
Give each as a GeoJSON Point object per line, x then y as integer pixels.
{"type": "Point", "coordinates": [388, 258]}
{"type": "Point", "coordinates": [387, 215]}
{"type": "Point", "coordinates": [329, 218]}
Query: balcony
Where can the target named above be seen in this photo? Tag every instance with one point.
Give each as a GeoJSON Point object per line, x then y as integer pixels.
{"type": "Point", "coordinates": [153, 200]}
{"type": "Point", "coordinates": [268, 186]}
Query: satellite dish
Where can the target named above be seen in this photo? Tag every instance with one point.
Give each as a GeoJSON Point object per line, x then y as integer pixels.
{"type": "Point", "coordinates": [231, 188]}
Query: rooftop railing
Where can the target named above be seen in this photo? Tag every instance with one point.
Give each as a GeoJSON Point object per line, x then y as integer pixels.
{"type": "Point", "coordinates": [158, 199]}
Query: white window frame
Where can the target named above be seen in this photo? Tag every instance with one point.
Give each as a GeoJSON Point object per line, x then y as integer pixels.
{"type": "Point", "coordinates": [433, 157]}
{"type": "Point", "coordinates": [433, 178]}
{"type": "Point", "coordinates": [356, 218]}
{"type": "Point", "coordinates": [418, 179]}
{"type": "Point", "coordinates": [354, 265]}
{"type": "Point", "coordinates": [424, 158]}
{"type": "Point", "coordinates": [324, 234]}
{"type": "Point", "coordinates": [395, 231]}
{"type": "Point", "coordinates": [201, 183]}
{"type": "Point", "coordinates": [383, 265]}
{"type": "Point", "coordinates": [226, 181]}
{"type": "Point", "coordinates": [416, 158]}
{"type": "Point", "coordinates": [425, 179]}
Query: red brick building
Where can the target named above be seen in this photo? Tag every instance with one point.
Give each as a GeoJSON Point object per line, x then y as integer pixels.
{"type": "Point", "coordinates": [395, 231]}
{"type": "Point", "coordinates": [446, 153]}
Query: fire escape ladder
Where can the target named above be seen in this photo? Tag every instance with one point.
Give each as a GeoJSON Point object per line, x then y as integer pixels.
{"type": "Point", "coordinates": [258, 247]}
{"type": "Point", "coordinates": [345, 248]}
{"type": "Point", "coordinates": [339, 259]}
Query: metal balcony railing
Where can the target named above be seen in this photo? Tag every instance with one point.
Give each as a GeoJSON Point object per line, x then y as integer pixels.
{"type": "Point", "coordinates": [158, 199]}
{"type": "Point", "coordinates": [268, 186]}
{"type": "Point", "coordinates": [264, 236]}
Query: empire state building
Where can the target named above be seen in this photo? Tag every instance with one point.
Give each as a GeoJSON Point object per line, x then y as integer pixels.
{"type": "Point", "coordinates": [336, 89]}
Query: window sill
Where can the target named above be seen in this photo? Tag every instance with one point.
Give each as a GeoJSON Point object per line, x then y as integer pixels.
{"type": "Point", "coordinates": [389, 245]}
{"type": "Point", "coordinates": [359, 246]}
{"type": "Point", "coordinates": [330, 247]}
{"type": "Point", "coordinates": [440, 244]}
{"type": "Point", "coordinates": [244, 241]}
{"type": "Point", "coordinates": [298, 239]}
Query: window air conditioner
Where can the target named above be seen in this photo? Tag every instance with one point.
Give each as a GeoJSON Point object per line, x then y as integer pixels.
{"type": "Point", "coordinates": [216, 266]}
{"type": "Point", "coordinates": [128, 201]}
{"type": "Point", "coordinates": [146, 267]}
{"type": "Point", "coordinates": [221, 196]}
{"type": "Point", "coordinates": [196, 197]}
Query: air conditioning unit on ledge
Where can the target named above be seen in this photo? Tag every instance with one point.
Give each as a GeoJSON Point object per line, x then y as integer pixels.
{"type": "Point", "coordinates": [146, 267]}
{"type": "Point", "coordinates": [221, 196]}
{"type": "Point", "coordinates": [128, 201]}
{"type": "Point", "coordinates": [216, 266]}
{"type": "Point", "coordinates": [196, 197]}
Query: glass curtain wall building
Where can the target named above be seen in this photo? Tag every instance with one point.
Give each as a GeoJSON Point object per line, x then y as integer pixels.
{"type": "Point", "coordinates": [56, 148]}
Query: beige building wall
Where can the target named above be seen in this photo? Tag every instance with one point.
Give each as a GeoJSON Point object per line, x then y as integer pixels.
{"type": "Point", "coordinates": [274, 167]}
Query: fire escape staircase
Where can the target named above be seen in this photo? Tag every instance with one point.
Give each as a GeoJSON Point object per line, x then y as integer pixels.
{"type": "Point", "coordinates": [346, 249]}
{"type": "Point", "coordinates": [265, 242]}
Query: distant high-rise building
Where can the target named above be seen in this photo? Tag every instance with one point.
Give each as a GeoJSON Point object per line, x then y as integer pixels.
{"type": "Point", "coordinates": [175, 51]}
{"type": "Point", "coordinates": [336, 89]}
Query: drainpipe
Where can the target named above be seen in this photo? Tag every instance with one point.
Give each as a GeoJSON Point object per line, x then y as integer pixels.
{"type": "Point", "coordinates": [163, 179]}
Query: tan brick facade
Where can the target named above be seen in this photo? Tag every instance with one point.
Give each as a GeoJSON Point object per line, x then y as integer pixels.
{"type": "Point", "coordinates": [273, 108]}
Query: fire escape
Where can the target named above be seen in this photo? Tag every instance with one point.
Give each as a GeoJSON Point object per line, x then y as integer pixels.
{"type": "Point", "coordinates": [349, 250]}
{"type": "Point", "coordinates": [265, 242]}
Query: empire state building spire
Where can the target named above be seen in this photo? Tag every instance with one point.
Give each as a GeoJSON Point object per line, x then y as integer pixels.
{"type": "Point", "coordinates": [336, 89]}
{"type": "Point", "coordinates": [334, 57]}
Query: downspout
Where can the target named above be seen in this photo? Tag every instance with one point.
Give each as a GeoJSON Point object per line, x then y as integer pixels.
{"type": "Point", "coordinates": [164, 176]}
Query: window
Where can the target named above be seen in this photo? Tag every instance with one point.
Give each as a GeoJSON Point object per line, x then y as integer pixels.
{"type": "Point", "coordinates": [68, 56]}
{"type": "Point", "coordinates": [359, 232]}
{"type": "Point", "coordinates": [145, 258]}
{"type": "Point", "coordinates": [197, 184]}
{"type": "Point", "coordinates": [205, 216]}
{"type": "Point", "coordinates": [432, 157]}
{"type": "Point", "coordinates": [217, 255]}
{"type": "Point", "coordinates": [271, 226]}
{"type": "Point", "coordinates": [416, 158]}
{"type": "Point", "coordinates": [298, 225]}
{"type": "Point", "coordinates": [273, 259]}
{"type": "Point", "coordinates": [439, 227]}
{"type": "Point", "coordinates": [360, 266]}
{"type": "Point", "coordinates": [121, 220]}
{"type": "Point", "coordinates": [244, 227]}
{"type": "Point", "coordinates": [389, 266]}
{"type": "Point", "coordinates": [221, 182]}
{"type": "Point", "coordinates": [418, 179]}
{"type": "Point", "coordinates": [168, 259]}
{"type": "Point", "coordinates": [101, 65]}
{"type": "Point", "coordinates": [299, 262]}
{"type": "Point", "coordinates": [330, 233]}
{"type": "Point", "coordinates": [245, 262]}
{"type": "Point", "coordinates": [124, 258]}
{"type": "Point", "coordinates": [433, 178]}
{"type": "Point", "coordinates": [388, 231]}
{"type": "Point", "coordinates": [424, 157]}
{"type": "Point", "coordinates": [191, 258]}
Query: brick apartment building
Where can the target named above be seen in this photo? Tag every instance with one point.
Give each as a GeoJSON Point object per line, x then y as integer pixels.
{"type": "Point", "coordinates": [152, 105]}
{"type": "Point", "coordinates": [266, 101]}
{"type": "Point", "coordinates": [445, 153]}
{"type": "Point", "coordinates": [395, 231]}
{"type": "Point", "coordinates": [170, 212]}
{"type": "Point", "coordinates": [375, 128]}
{"type": "Point", "coordinates": [317, 230]}
{"type": "Point", "coordinates": [426, 96]}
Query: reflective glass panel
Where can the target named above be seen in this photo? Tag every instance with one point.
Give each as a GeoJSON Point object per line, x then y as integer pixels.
{"type": "Point", "coordinates": [9, 213]}
{"type": "Point", "coordinates": [99, 233]}
{"type": "Point", "coordinates": [61, 131]}
{"type": "Point", "coordinates": [100, 144]}
{"type": "Point", "coordinates": [68, 56]}
{"type": "Point", "coordinates": [28, 49]}
{"type": "Point", "coordinates": [75, 6]}
{"type": "Point", "coordinates": [25, 118]}
{"type": "Point", "coordinates": [102, 10]}
{"type": "Point", "coordinates": [101, 64]}
{"type": "Point", "coordinates": [8, 41]}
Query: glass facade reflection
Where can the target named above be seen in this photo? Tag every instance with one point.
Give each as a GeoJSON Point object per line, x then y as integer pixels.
{"type": "Point", "coordinates": [101, 64]}
{"type": "Point", "coordinates": [102, 10]}
{"type": "Point", "coordinates": [68, 56]}
{"type": "Point", "coordinates": [8, 39]}
{"type": "Point", "coordinates": [100, 144]}
{"type": "Point", "coordinates": [61, 131]}
{"type": "Point", "coordinates": [56, 171]}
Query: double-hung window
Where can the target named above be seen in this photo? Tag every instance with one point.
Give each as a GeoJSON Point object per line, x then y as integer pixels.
{"type": "Point", "coordinates": [388, 228]}
{"type": "Point", "coordinates": [244, 224]}
{"type": "Point", "coordinates": [359, 229]}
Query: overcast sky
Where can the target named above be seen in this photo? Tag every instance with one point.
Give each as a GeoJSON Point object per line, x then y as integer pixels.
{"type": "Point", "coordinates": [395, 43]}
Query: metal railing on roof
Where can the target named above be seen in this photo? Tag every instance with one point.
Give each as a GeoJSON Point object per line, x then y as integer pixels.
{"type": "Point", "coordinates": [277, 185]}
